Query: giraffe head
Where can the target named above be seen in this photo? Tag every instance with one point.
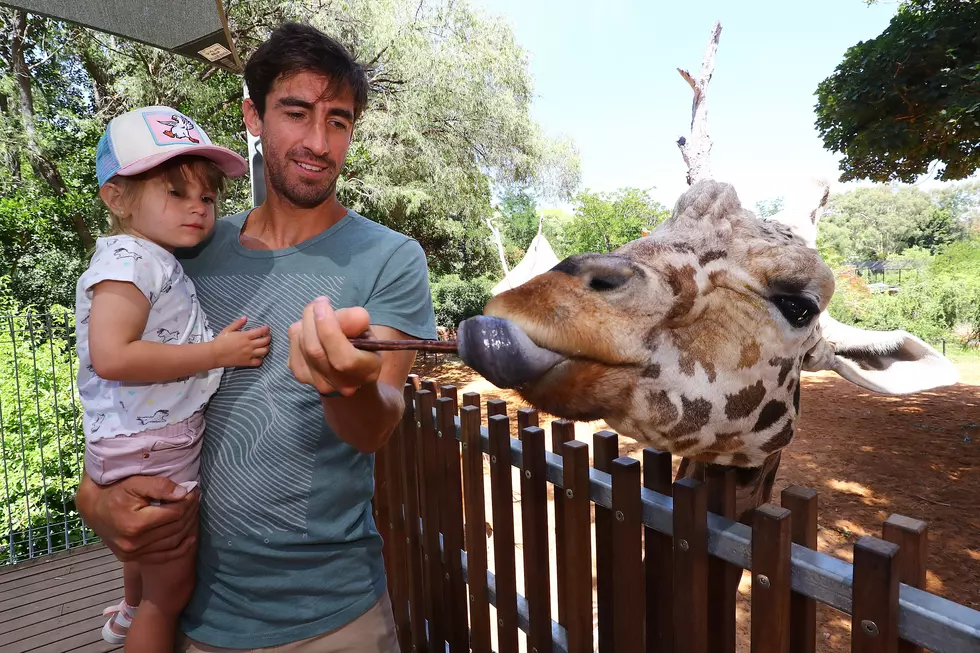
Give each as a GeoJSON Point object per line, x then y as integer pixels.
{"type": "Point", "coordinates": [690, 339]}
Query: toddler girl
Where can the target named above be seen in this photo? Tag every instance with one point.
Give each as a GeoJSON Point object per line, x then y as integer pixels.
{"type": "Point", "coordinates": [148, 360]}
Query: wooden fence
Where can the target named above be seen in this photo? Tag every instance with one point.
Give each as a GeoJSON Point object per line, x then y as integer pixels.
{"type": "Point", "coordinates": [668, 557]}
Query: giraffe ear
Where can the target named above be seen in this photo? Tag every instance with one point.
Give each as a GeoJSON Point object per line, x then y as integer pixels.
{"type": "Point", "coordinates": [890, 362]}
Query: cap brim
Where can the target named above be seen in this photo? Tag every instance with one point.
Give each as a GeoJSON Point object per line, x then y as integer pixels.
{"type": "Point", "coordinates": [228, 161]}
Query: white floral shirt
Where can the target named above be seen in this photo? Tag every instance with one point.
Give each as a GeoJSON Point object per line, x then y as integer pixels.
{"type": "Point", "coordinates": [114, 408]}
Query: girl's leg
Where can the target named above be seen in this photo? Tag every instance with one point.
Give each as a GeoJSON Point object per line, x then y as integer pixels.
{"type": "Point", "coordinates": [166, 590]}
{"type": "Point", "coordinates": [122, 615]}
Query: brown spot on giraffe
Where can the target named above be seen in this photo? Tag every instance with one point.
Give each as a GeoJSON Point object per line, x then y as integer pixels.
{"type": "Point", "coordinates": [711, 255]}
{"type": "Point", "coordinates": [651, 371]}
{"type": "Point", "coordinates": [784, 365]}
{"type": "Point", "coordinates": [662, 409]}
{"type": "Point", "coordinates": [727, 442]}
{"type": "Point", "coordinates": [749, 355]}
{"type": "Point", "coordinates": [781, 439]}
{"type": "Point", "coordinates": [742, 403]}
{"type": "Point", "coordinates": [769, 415]}
{"type": "Point", "coordinates": [685, 288]}
{"type": "Point", "coordinates": [718, 277]}
{"type": "Point", "coordinates": [695, 413]}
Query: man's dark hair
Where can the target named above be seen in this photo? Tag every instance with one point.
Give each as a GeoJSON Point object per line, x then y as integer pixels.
{"type": "Point", "coordinates": [295, 48]}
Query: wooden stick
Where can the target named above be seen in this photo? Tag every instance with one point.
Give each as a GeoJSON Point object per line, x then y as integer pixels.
{"type": "Point", "coordinates": [368, 344]}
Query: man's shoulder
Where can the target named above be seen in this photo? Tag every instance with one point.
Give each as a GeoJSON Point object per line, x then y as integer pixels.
{"type": "Point", "coordinates": [375, 230]}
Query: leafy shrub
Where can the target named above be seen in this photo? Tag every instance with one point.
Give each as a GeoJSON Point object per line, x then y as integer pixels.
{"type": "Point", "coordinates": [457, 299]}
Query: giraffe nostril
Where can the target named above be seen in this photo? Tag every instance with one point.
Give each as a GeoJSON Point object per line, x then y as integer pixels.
{"type": "Point", "coordinates": [609, 280]}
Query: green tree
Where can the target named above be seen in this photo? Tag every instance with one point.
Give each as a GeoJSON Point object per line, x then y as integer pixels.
{"type": "Point", "coordinates": [604, 221]}
{"type": "Point", "coordinates": [908, 98]}
{"type": "Point", "coordinates": [765, 208]}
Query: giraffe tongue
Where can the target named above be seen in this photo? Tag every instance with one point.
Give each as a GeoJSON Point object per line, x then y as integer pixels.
{"type": "Point", "coordinates": [501, 352]}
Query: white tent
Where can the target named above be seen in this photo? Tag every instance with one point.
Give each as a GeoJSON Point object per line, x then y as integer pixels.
{"type": "Point", "coordinates": [539, 258]}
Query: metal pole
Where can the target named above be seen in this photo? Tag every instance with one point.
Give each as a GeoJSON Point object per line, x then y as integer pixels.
{"type": "Point", "coordinates": [256, 169]}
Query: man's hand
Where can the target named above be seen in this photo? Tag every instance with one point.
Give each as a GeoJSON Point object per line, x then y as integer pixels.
{"type": "Point", "coordinates": [320, 352]}
{"type": "Point", "coordinates": [133, 529]}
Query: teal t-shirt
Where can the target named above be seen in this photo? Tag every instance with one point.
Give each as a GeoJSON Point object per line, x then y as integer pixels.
{"type": "Point", "coordinates": [288, 545]}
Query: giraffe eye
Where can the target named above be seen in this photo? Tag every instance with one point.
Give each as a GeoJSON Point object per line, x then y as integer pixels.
{"type": "Point", "coordinates": [798, 311]}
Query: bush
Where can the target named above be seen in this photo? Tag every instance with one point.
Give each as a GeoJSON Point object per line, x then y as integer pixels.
{"type": "Point", "coordinates": [457, 299]}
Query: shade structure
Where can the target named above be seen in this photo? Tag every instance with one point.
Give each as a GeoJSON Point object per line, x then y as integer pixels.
{"type": "Point", "coordinates": [194, 28]}
{"type": "Point", "coordinates": [538, 259]}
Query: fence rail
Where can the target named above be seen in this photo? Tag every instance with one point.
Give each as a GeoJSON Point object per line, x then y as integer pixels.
{"type": "Point", "coordinates": [667, 600]}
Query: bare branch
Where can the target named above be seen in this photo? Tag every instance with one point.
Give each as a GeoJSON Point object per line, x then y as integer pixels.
{"type": "Point", "coordinates": [696, 151]}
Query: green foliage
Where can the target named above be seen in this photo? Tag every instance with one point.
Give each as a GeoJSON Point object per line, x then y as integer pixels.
{"type": "Point", "coordinates": [907, 98]}
{"type": "Point", "coordinates": [604, 221]}
{"type": "Point", "coordinates": [40, 430]}
{"type": "Point", "coordinates": [456, 299]}
{"type": "Point", "coordinates": [765, 208]}
{"type": "Point", "coordinates": [942, 302]}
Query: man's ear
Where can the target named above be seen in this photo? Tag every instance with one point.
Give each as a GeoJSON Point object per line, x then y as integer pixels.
{"type": "Point", "coordinates": [250, 114]}
{"type": "Point", "coordinates": [889, 362]}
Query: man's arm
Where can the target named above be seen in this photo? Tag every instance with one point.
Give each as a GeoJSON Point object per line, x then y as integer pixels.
{"type": "Point", "coordinates": [366, 419]}
{"type": "Point", "coordinates": [369, 383]}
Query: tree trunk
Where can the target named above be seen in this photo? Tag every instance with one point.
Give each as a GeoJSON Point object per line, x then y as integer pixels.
{"type": "Point", "coordinates": [697, 150]}
{"type": "Point", "coordinates": [42, 166]}
{"type": "Point", "coordinates": [11, 153]}
{"type": "Point", "coordinates": [100, 77]}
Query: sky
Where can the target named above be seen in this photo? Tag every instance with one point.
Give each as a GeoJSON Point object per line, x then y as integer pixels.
{"type": "Point", "coordinates": [605, 74]}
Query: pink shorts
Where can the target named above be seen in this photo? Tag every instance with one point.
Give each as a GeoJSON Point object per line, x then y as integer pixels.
{"type": "Point", "coordinates": [173, 451]}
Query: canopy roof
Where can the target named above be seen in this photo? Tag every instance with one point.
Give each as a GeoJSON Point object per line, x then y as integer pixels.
{"type": "Point", "coordinates": [539, 258]}
{"type": "Point", "coordinates": [193, 28]}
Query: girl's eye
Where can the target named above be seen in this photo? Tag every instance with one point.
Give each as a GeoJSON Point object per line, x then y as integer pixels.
{"type": "Point", "coordinates": [173, 192]}
{"type": "Point", "coordinates": [207, 200]}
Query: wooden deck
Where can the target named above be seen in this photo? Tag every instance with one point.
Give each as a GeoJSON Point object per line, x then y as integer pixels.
{"type": "Point", "coordinates": [54, 604]}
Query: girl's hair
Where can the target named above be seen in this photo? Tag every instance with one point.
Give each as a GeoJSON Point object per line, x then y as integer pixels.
{"type": "Point", "coordinates": [177, 172]}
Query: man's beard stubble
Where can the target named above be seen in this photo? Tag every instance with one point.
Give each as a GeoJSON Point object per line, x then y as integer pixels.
{"type": "Point", "coordinates": [301, 195]}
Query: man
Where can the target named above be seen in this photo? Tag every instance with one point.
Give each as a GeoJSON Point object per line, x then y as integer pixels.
{"type": "Point", "coordinates": [288, 554]}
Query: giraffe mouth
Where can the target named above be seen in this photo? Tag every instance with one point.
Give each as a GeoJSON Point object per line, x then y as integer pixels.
{"type": "Point", "coordinates": [502, 352]}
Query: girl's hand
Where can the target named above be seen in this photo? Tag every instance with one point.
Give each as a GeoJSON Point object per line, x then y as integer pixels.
{"type": "Point", "coordinates": [235, 348]}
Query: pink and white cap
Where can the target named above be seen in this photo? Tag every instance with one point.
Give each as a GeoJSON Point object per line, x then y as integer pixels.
{"type": "Point", "coordinates": [140, 139]}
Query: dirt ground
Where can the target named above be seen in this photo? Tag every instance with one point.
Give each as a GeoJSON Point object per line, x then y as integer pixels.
{"type": "Point", "coordinates": [868, 456]}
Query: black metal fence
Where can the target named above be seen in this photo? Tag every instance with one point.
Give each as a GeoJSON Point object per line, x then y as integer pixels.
{"type": "Point", "coordinates": [41, 439]}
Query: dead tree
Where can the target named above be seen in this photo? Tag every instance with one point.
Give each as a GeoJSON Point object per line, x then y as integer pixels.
{"type": "Point", "coordinates": [697, 150]}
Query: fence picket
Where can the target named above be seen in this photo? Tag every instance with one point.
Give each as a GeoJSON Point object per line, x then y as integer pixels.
{"type": "Point", "coordinates": [429, 486]}
{"type": "Point", "coordinates": [496, 407]}
{"type": "Point", "coordinates": [475, 528]}
{"type": "Point", "coordinates": [912, 538]}
{"type": "Point", "coordinates": [413, 542]}
{"type": "Point", "coordinates": [605, 449]}
{"type": "Point", "coordinates": [577, 536]}
{"type": "Point", "coordinates": [451, 497]}
{"type": "Point", "coordinates": [690, 566]}
{"type": "Point", "coordinates": [659, 559]}
{"type": "Point", "coordinates": [722, 577]}
{"type": "Point", "coordinates": [874, 616]}
{"type": "Point", "coordinates": [628, 555]}
{"type": "Point", "coordinates": [771, 579]}
{"type": "Point", "coordinates": [534, 518]}
{"type": "Point", "coordinates": [396, 544]}
{"type": "Point", "coordinates": [802, 502]}
{"type": "Point", "coordinates": [562, 431]}
{"type": "Point", "coordinates": [502, 503]}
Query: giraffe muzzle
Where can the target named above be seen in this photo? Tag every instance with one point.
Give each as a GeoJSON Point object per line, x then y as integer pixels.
{"type": "Point", "coordinates": [502, 353]}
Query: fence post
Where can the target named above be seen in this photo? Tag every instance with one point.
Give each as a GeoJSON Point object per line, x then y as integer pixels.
{"type": "Point", "coordinates": [562, 431]}
{"type": "Point", "coordinates": [771, 565]}
{"type": "Point", "coordinates": [628, 559]}
{"type": "Point", "coordinates": [874, 614]}
{"type": "Point", "coordinates": [577, 535]}
{"type": "Point", "coordinates": [413, 544]}
{"type": "Point", "coordinates": [430, 489]}
{"type": "Point", "coordinates": [659, 562]}
{"type": "Point", "coordinates": [476, 525]}
{"type": "Point", "coordinates": [605, 449]}
{"type": "Point", "coordinates": [397, 542]}
{"type": "Point", "coordinates": [912, 538]}
{"type": "Point", "coordinates": [722, 577]}
{"type": "Point", "coordinates": [452, 524]}
{"type": "Point", "coordinates": [502, 500]}
{"type": "Point", "coordinates": [802, 502]}
{"type": "Point", "coordinates": [690, 566]}
{"type": "Point", "coordinates": [534, 515]}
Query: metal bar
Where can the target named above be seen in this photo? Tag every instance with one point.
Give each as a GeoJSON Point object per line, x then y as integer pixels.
{"type": "Point", "coordinates": [23, 446]}
{"type": "Point", "coordinates": [57, 426]}
{"type": "Point", "coordinates": [40, 434]}
{"type": "Point", "coordinates": [6, 487]}
{"type": "Point", "coordinates": [74, 424]}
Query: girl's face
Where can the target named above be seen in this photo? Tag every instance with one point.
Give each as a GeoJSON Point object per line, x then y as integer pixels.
{"type": "Point", "coordinates": [171, 217]}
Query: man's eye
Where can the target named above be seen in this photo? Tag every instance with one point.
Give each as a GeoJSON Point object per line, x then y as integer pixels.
{"type": "Point", "coordinates": [295, 115]}
{"type": "Point", "coordinates": [798, 311]}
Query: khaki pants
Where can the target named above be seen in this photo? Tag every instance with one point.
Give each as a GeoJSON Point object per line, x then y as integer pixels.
{"type": "Point", "coordinates": [372, 632]}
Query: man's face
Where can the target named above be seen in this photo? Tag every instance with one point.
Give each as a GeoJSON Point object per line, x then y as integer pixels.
{"type": "Point", "coordinates": [305, 134]}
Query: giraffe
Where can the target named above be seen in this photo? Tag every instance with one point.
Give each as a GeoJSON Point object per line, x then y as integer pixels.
{"type": "Point", "coordinates": [692, 338]}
